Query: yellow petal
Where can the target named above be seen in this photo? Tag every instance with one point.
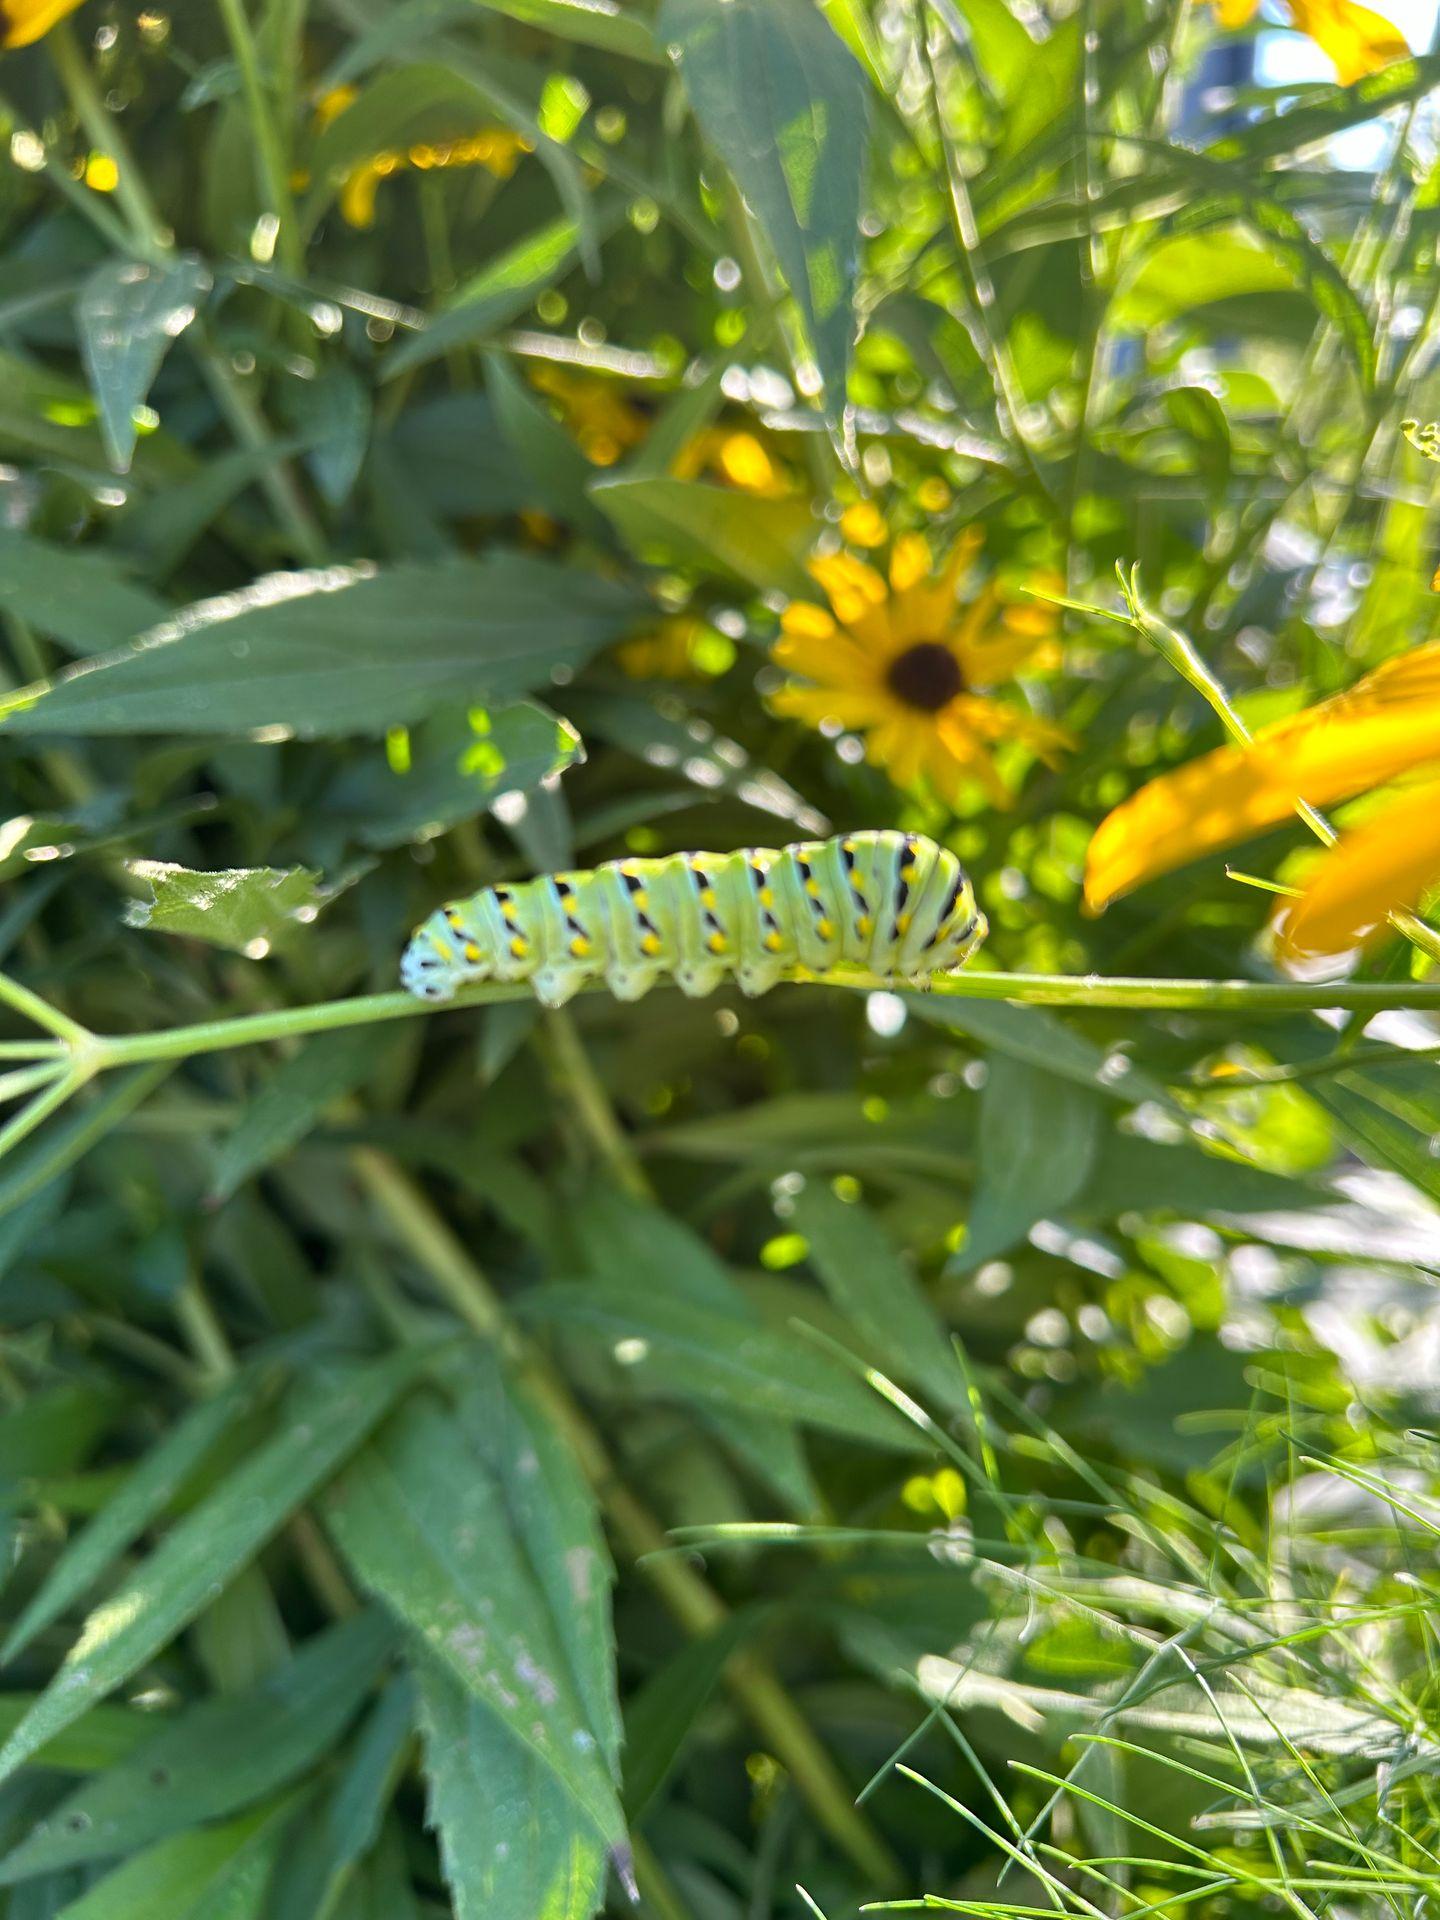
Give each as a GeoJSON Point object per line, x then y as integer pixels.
{"type": "Point", "coordinates": [834, 662]}
{"type": "Point", "coordinates": [910, 562]}
{"type": "Point", "coordinates": [745, 464]}
{"type": "Point", "coordinates": [852, 588]}
{"type": "Point", "coordinates": [22, 22]}
{"type": "Point", "coordinates": [331, 105]}
{"type": "Point", "coordinates": [1386, 864]}
{"type": "Point", "coordinates": [1386, 724]}
{"type": "Point", "coordinates": [927, 610]}
{"type": "Point", "coordinates": [1231, 14]}
{"type": "Point", "coordinates": [843, 706]}
{"type": "Point", "coordinates": [357, 196]}
{"type": "Point", "coordinates": [863, 525]}
{"type": "Point", "coordinates": [1357, 40]}
{"type": "Point", "coordinates": [805, 620]}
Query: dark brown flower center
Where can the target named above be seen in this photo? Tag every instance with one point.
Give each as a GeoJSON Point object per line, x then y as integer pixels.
{"type": "Point", "coordinates": [926, 676]}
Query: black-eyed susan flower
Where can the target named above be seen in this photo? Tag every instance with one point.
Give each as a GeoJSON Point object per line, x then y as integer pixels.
{"type": "Point", "coordinates": [914, 662]}
{"type": "Point", "coordinates": [1385, 727]}
{"type": "Point", "coordinates": [1357, 40]}
{"type": "Point", "coordinates": [22, 22]}
{"type": "Point", "coordinates": [497, 149]}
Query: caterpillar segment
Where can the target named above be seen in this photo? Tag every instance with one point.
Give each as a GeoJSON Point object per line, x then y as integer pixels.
{"type": "Point", "coordinates": [894, 904]}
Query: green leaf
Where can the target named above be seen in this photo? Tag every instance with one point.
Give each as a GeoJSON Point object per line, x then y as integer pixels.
{"type": "Point", "coordinates": [102, 1738]}
{"type": "Point", "coordinates": [146, 1493]}
{"type": "Point", "coordinates": [67, 1140]}
{"type": "Point", "coordinates": [786, 107]}
{"type": "Point", "coordinates": [212, 1873]}
{"type": "Point", "coordinates": [674, 1349]}
{"type": "Point", "coordinates": [665, 734]}
{"type": "Point", "coordinates": [1041, 1039]}
{"type": "Point", "coordinates": [665, 1713]}
{"type": "Point", "coordinates": [592, 23]}
{"type": "Point", "coordinates": [454, 766]}
{"type": "Point", "coordinates": [290, 1102]}
{"type": "Point", "coordinates": [329, 1843]}
{"type": "Point", "coordinates": [79, 596]}
{"type": "Point", "coordinates": [343, 651]}
{"type": "Point", "coordinates": [322, 1424]}
{"type": "Point", "coordinates": [556, 1522]}
{"type": "Point", "coordinates": [689, 523]}
{"type": "Point", "coordinates": [512, 1841]}
{"type": "Point", "coordinates": [557, 470]}
{"type": "Point", "coordinates": [128, 315]}
{"type": "Point", "coordinates": [1039, 1136]}
{"type": "Point", "coordinates": [214, 1758]}
{"type": "Point", "coordinates": [876, 1290]}
{"type": "Point", "coordinates": [637, 1249]}
{"type": "Point", "coordinates": [330, 414]}
{"type": "Point", "coordinates": [246, 909]}
{"type": "Point", "coordinates": [501, 291]}
{"type": "Point", "coordinates": [425, 1529]}
{"type": "Point", "coordinates": [1131, 1172]}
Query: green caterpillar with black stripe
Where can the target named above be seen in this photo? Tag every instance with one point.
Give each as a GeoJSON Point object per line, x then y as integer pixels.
{"type": "Point", "coordinates": [893, 904]}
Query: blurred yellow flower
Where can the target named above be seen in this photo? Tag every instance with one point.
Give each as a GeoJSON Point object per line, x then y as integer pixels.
{"type": "Point", "coordinates": [680, 648]}
{"type": "Point", "coordinates": [735, 457]}
{"type": "Point", "coordinates": [1357, 40]}
{"type": "Point", "coordinates": [496, 149]}
{"type": "Point", "coordinates": [22, 22]}
{"type": "Point", "coordinates": [1385, 726]}
{"type": "Point", "coordinates": [605, 421]}
{"type": "Point", "coordinates": [908, 662]}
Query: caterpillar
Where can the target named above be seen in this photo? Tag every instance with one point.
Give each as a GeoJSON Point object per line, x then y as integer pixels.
{"type": "Point", "coordinates": [892, 903]}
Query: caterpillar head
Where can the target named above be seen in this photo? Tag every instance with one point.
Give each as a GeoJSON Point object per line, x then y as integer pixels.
{"type": "Point", "coordinates": [442, 955]}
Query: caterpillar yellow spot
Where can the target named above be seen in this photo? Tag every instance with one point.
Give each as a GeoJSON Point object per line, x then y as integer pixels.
{"type": "Point", "coordinates": [799, 913]}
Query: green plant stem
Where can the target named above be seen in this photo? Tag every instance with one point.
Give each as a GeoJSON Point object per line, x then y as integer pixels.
{"type": "Point", "coordinates": [272, 165]}
{"type": "Point", "coordinates": [575, 1078]}
{"type": "Point", "coordinates": [691, 1600]}
{"type": "Point", "coordinates": [31, 1007]}
{"type": "Point", "coordinates": [203, 1331]}
{"type": "Point", "coordinates": [979, 288]}
{"type": "Point", "coordinates": [103, 1052]}
{"type": "Point", "coordinates": [151, 237]}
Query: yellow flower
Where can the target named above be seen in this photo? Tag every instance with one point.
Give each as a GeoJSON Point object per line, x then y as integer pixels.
{"type": "Point", "coordinates": [1385, 726]}
{"type": "Point", "coordinates": [495, 148]}
{"type": "Point", "coordinates": [906, 663]}
{"type": "Point", "coordinates": [1357, 40]}
{"type": "Point", "coordinates": [605, 421]}
{"type": "Point", "coordinates": [680, 648]}
{"type": "Point", "coordinates": [1384, 866]}
{"type": "Point", "coordinates": [735, 457]}
{"type": "Point", "coordinates": [22, 22]}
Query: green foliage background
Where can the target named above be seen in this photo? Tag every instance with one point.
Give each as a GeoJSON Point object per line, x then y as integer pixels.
{"type": "Point", "coordinates": [454, 1463]}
